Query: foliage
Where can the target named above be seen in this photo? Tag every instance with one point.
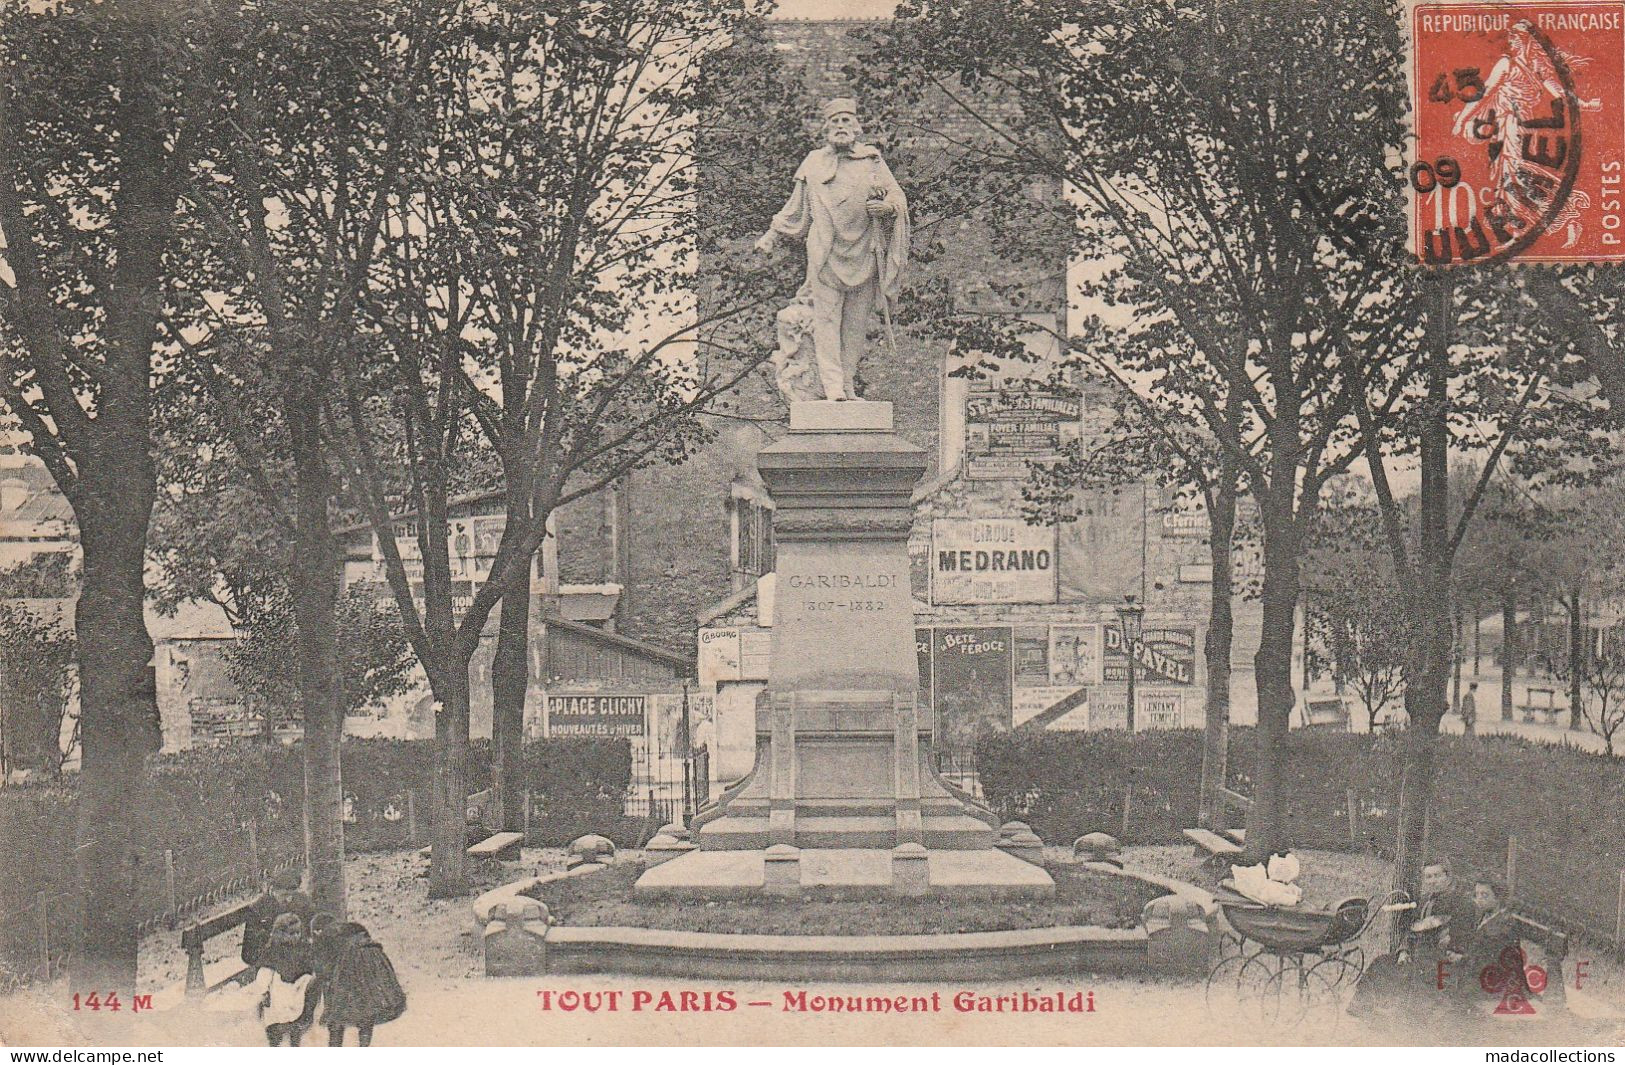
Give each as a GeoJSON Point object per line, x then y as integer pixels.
{"type": "Point", "coordinates": [1600, 673]}
{"type": "Point", "coordinates": [376, 662]}
{"type": "Point", "coordinates": [1486, 790]}
{"type": "Point", "coordinates": [1245, 220]}
{"type": "Point", "coordinates": [96, 130]}
{"type": "Point", "coordinates": [1355, 615]}
{"type": "Point", "coordinates": [1067, 783]}
{"type": "Point", "coordinates": [532, 286]}
{"type": "Point", "coordinates": [46, 575]}
{"type": "Point", "coordinates": [38, 688]}
{"type": "Point", "coordinates": [1082, 897]}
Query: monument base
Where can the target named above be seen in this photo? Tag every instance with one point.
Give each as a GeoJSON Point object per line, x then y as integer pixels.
{"type": "Point", "coordinates": [745, 873]}
{"type": "Point", "coordinates": [841, 416]}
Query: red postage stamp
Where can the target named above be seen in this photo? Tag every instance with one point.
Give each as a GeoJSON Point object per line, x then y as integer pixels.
{"type": "Point", "coordinates": [1520, 132]}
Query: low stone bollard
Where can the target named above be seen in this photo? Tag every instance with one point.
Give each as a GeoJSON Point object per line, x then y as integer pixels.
{"type": "Point", "coordinates": [910, 869]}
{"type": "Point", "coordinates": [1097, 847]}
{"type": "Point", "coordinates": [1017, 839]}
{"type": "Point", "coordinates": [591, 849]}
{"type": "Point", "coordinates": [781, 870]}
{"type": "Point", "coordinates": [516, 939]}
{"type": "Point", "coordinates": [1179, 937]}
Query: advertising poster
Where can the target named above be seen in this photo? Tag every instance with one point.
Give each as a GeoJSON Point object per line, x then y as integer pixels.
{"type": "Point", "coordinates": [919, 564]}
{"type": "Point", "coordinates": [1185, 519]}
{"type": "Point", "coordinates": [1103, 551]}
{"type": "Point", "coordinates": [1108, 709]}
{"type": "Point", "coordinates": [673, 743]}
{"type": "Point", "coordinates": [1165, 656]}
{"type": "Point", "coordinates": [971, 677]}
{"type": "Point", "coordinates": [719, 657]}
{"type": "Point", "coordinates": [1159, 709]}
{"type": "Point", "coordinates": [1061, 709]}
{"type": "Point", "coordinates": [1074, 654]}
{"type": "Point", "coordinates": [922, 650]}
{"type": "Point", "coordinates": [1032, 656]}
{"type": "Point", "coordinates": [1010, 425]}
{"type": "Point", "coordinates": [597, 714]}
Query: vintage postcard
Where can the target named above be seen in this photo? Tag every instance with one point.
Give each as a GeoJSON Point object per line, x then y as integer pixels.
{"type": "Point", "coordinates": [683, 522]}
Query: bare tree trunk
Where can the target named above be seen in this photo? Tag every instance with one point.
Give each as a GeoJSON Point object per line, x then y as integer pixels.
{"type": "Point", "coordinates": [119, 714]}
{"type": "Point", "coordinates": [1478, 618]}
{"type": "Point", "coordinates": [1266, 832]}
{"type": "Point", "coordinates": [510, 667]}
{"type": "Point", "coordinates": [510, 679]}
{"type": "Point", "coordinates": [1428, 669]}
{"type": "Point", "coordinates": [448, 876]}
{"type": "Point", "coordinates": [1220, 634]}
{"type": "Point", "coordinates": [1577, 657]}
{"type": "Point", "coordinates": [1509, 627]}
{"type": "Point", "coordinates": [115, 486]}
{"type": "Point", "coordinates": [313, 578]}
{"type": "Point", "coordinates": [1456, 640]}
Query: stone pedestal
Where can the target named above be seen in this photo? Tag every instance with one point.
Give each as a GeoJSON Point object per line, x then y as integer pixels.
{"type": "Point", "coordinates": [781, 870]}
{"type": "Point", "coordinates": [1179, 937]}
{"type": "Point", "coordinates": [842, 752]}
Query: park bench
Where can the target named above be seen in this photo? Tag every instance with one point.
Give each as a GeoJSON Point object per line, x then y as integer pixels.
{"type": "Point", "coordinates": [1328, 713]}
{"type": "Point", "coordinates": [200, 978]}
{"type": "Point", "coordinates": [1221, 843]}
{"type": "Point", "coordinates": [1212, 844]}
{"type": "Point", "coordinates": [503, 846]}
{"type": "Point", "coordinates": [1541, 701]}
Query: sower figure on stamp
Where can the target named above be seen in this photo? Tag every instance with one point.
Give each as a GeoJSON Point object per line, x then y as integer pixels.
{"type": "Point", "coordinates": [853, 217]}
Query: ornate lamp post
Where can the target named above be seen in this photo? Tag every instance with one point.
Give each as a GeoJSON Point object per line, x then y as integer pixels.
{"type": "Point", "coordinates": [1130, 619]}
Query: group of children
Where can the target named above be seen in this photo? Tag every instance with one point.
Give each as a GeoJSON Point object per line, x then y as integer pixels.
{"type": "Point", "coordinates": [304, 959]}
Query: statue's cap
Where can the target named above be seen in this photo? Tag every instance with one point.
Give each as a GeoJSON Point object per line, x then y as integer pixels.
{"type": "Point", "coordinates": [841, 105]}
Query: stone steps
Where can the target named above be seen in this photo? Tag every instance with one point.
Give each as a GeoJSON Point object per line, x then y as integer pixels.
{"type": "Point", "coordinates": [868, 831]}
{"type": "Point", "coordinates": [957, 832]}
{"type": "Point", "coordinates": [827, 833]}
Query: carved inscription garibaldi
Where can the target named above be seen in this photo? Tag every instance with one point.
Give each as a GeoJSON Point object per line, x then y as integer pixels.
{"type": "Point", "coordinates": [853, 217]}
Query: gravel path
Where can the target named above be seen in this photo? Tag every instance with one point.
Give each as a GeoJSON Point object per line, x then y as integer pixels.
{"type": "Point", "coordinates": [436, 953]}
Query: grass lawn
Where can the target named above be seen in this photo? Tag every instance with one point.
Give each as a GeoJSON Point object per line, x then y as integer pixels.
{"type": "Point", "coordinates": [1081, 898]}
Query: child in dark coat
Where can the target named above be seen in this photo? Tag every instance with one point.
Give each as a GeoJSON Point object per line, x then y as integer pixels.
{"type": "Point", "coordinates": [287, 982]}
{"type": "Point", "coordinates": [283, 897]}
{"type": "Point", "coordinates": [362, 990]}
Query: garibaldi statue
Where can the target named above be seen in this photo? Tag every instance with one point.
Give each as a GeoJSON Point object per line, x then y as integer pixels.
{"type": "Point", "coordinates": [853, 217]}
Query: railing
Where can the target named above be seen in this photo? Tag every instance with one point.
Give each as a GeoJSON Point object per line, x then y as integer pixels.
{"type": "Point", "coordinates": [1577, 891]}
{"type": "Point", "coordinates": [957, 765]}
{"type": "Point", "coordinates": [38, 937]}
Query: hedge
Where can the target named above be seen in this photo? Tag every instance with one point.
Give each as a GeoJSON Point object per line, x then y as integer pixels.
{"type": "Point", "coordinates": [1564, 806]}
{"type": "Point", "coordinates": [212, 809]}
{"type": "Point", "coordinates": [1068, 783]}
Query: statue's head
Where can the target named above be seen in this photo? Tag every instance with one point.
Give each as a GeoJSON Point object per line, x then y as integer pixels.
{"type": "Point", "coordinates": [841, 126]}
